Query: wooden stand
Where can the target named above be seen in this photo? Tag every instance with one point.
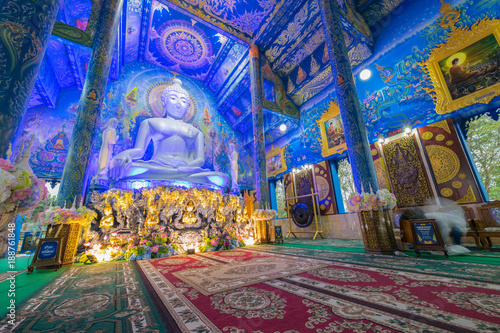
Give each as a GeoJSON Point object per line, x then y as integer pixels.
{"type": "Point", "coordinates": [262, 232]}
{"type": "Point", "coordinates": [69, 233]}
{"type": "Point", "coordinates": [47, 255]}
{"type": "Point", "coordinates": [377, 231]}
{"type": "Point", "coordinates": [423, 234]}
{"type": "Point", "coordinates": [316, 209]}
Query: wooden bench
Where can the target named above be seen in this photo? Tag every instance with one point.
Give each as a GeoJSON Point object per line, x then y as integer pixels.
{"type": "Point", "coordinates": [488, 226]}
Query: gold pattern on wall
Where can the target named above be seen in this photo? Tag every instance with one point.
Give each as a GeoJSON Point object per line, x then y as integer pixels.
{"type": "Point", "coordinates": [322, 187]}
{"type": "Point", "coordinates": [427, 135]}
{"type": "Point", "coordinates": [468, 198]}
{"type": "Point", "coordinates": [406, 172]}
{"type": "Point", "coordinates": [440, 137]}
{"type": "Point", "coordinates": [374, 152]}
{"type": "Point", "coordinates": [449, 17]}
{"type": "Point", "coordinates": [457, 184]}
{"type": "Point", "coordinates": [462, 176]}
{"type": "Point", "coordinates": [445, 163]}
{"type": "Point", "coordinates": [443, 124]}
{"type": "Point", "coordinates": [446, 192]}
{"type": "Point", "coordinates": [458, 39]}
{"type": "Point", "coordinates": [449, 143]}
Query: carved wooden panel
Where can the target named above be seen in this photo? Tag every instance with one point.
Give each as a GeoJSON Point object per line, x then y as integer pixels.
{"type": "Point", "coordinates": [407, 173]}
{"type": "Point", "coordinates": [380, 167]}
{"type": "Point", "coordinates": [327, 203]}
{"type": "Point", "coordinates": [449, 164]}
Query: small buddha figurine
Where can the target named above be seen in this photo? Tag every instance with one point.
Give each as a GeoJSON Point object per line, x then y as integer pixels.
{"type": "Point", "coordinates": [179, 148]}
{"type": "Point", "coordinates": [108, 220]}
{"type": "Point", "coordinates": [153, 216]}
{"type": "Point", "coordinates": [219, 216]}
{"type": "Point", "coordinates": [189, 217]}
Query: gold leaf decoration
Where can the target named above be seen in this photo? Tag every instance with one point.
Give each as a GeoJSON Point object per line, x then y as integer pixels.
{"type": "Point", "coordinates": [446, 192]}
{"type": "Point", "coordinates": [469, 197]}
{"type": "Point", "coordinates": [445, 163]}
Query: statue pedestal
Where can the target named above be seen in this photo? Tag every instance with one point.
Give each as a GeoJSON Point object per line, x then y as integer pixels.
{"type": "Point", "coordinates": [377, 230]}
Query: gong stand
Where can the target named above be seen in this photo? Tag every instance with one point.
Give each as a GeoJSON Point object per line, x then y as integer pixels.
{"type": "Point", "coordinates": [317, 232]}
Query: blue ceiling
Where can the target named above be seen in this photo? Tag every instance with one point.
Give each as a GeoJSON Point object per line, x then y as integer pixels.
{"type": "Point", "coordinates": [209, 41]}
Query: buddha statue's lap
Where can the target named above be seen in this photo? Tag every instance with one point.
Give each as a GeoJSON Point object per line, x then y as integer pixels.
{"type": "Point", "coordinates": [179, 152]}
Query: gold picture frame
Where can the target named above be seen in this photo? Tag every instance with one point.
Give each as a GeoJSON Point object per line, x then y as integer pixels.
{"type": "Point", "coordinates": [332, 131]}
{"type": "Point", "coordinates": [450, 61]}
{"type": "Point", "coordinates": [275, 161]}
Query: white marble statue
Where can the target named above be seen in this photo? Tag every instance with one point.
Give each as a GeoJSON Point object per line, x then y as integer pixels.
{"type": "Point", "coordinates": [22, 160]}
{"type": "Point", "coordinates": [233, 156]}
{"type": "Point", "coordinates": [109, 139]}
{"type": "Point", "coordinates": [179, 149]}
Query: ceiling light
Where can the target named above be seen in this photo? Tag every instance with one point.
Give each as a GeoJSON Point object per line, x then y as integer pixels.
{"type": "Point", "coordinates": [407, 129]}
{"type": "Point", "coordinates": [365, 74]}
{"type": "Point", "coordinates": [283, 127]}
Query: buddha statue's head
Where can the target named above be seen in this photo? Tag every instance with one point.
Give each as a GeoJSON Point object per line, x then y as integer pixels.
{"type": "Point", "coordinates": [175, 100]}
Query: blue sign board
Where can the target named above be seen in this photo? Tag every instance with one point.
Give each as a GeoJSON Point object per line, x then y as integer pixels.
{"type": "Point", "coordinates": [48, 250]}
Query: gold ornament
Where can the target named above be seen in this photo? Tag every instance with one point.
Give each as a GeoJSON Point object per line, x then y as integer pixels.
{"type": "Point", "coordinates": [462, 176]}
{"type": "Point", "coordinates": [443, 124]}
{"type": "Point", "coordinates": [468, 198]}
{"type": "Point", "coordinates": [374, 152]}
{"type": "Point", "coordinates": [449, 143]}
{"type": "Point", "coordinates": [440, 137]}
{"type": "Point", "coordinates": [457, 184]}
{"type": "Point", "coordinates": [427, 135]}
{"type": "Point", "coordinates": [445, 163]}
{"type": "Point", "coordinates": [108, 220]}
{"type": "Point", "coordinates": [446, 192]}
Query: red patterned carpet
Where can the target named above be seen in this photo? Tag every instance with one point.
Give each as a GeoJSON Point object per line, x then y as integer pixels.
{"type": "Point", "coordinates": [245, 291]}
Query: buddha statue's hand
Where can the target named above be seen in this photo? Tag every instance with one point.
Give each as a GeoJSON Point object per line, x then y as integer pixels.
{"type": "Point", "coordinates": [118, 165]}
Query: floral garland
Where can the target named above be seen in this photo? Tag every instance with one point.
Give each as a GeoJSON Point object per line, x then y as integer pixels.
{"type": "Point", "coordinates": [19, 189]}
{"type": "Point", "coordinates": [264, 214]}
{"type": "Point", "coordinates": [383, 199]}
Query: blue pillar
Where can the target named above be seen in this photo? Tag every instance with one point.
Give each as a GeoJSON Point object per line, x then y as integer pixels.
{"type": "Point", "coordinates": [358, 148]}
{"type": "Point", "coordinates": [336, 187]}
{"type": "Point", "coordinates": [74, 179]}
{"type": "Point", "coordinates": [259, 149]}
{"type": "Point", "coordinates": [25, 29]}
{"type": "Point", "coordinates": [272, 193]}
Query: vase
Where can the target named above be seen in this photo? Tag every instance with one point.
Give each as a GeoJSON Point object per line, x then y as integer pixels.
{"type": "Point", "coordinates": [377, 230]}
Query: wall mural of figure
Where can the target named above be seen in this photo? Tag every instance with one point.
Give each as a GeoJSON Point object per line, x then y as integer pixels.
{"type": "Point", "coordinates": [179, 148]}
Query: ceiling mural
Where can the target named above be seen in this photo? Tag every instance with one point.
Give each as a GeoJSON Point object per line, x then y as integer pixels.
{"type": "Point", "coordinates": [179, 43]}
{"type": "Point", "coordinates": [241, 18]}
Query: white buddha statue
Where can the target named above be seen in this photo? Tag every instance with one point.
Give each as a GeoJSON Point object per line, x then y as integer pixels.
{"type": "Point", "coordinates": [179, 149]}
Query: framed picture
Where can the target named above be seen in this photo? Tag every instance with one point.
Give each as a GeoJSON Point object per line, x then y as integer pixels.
{"type": "Point", "coordinates": [332, 131]}
{"type": "Point", "coordinates": [275, 161]}
{"type": "Point", "coordinates": [465, 69]}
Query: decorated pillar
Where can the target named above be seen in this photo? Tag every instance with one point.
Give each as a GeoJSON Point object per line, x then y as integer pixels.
{"type": "Point", "coordinates": [259, 151]}
{"type": "Point", "coordinates": [358, 148]}
{"type": "Point", "coordinates": [25, 28]}
{"type": "Point", "coordinates": [73, 184]}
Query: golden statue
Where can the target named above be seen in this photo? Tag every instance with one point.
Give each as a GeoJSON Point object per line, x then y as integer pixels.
{"type": "Point", "coordinates": [108, 220]}
{"type": "Point", "coordinates": [219, 216]}
{"type": "Point", "coordinates": [189, 216]}
{"type": "Point", "coordinates": [153, 216]}
{"type": "Point", "coordinates": [239, 216]}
